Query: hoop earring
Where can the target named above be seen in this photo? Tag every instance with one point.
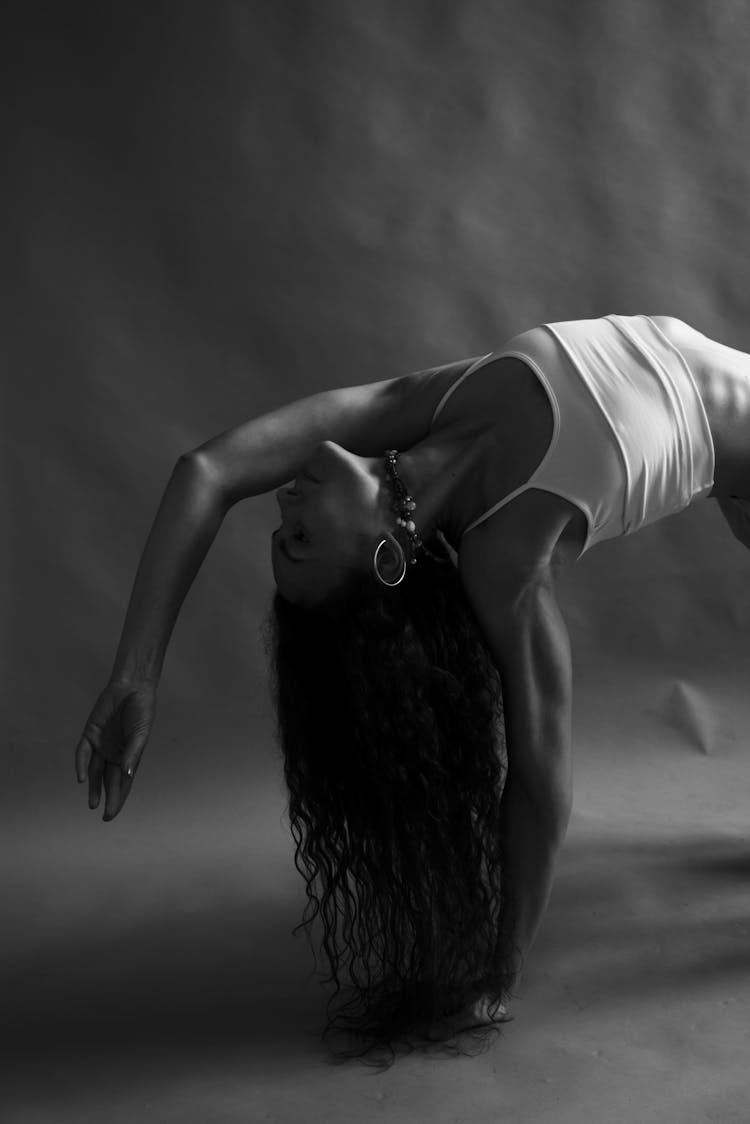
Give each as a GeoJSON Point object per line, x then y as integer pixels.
{"type": "Point", "coordinates": [399, 579]}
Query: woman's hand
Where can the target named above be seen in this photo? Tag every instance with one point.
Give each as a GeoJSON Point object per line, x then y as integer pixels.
{"type": "Point", "coordinates": [477, 1014]}
{"type": "Point", "coordinates": [113, 742]}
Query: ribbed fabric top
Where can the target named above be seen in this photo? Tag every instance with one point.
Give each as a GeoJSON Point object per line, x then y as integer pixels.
{"type": "Point", "coordinates": [631, 441]}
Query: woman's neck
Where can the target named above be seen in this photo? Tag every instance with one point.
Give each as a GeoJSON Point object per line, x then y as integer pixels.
{"type": "Point", "coordinates": [437, 474]}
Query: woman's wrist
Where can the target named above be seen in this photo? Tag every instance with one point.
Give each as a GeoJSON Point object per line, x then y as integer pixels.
{"type": "Point", "coordinates": [141, 682]}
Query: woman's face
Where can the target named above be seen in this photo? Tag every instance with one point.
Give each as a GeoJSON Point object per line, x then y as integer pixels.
{"type": "Point", "coordinates": [330, 521]}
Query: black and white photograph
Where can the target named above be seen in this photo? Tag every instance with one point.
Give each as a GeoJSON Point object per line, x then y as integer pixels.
{"type": "Point", "coordinates": [376, 384]}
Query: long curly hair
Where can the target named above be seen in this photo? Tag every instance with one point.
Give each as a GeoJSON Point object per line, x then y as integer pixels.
{"type": "Point", "coordinates": [390, 719]}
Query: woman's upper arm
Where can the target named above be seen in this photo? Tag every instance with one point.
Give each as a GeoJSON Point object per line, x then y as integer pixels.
{"type": "Point", "coordinates": [265, 452]}
{"type": "Point", "coordinates": [527, 635]}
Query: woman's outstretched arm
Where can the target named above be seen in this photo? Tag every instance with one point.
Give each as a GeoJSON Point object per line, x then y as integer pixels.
{"type": "Point", "coordinates": [536, 674]}
{"type": "Point", "coordinates": [118, 727]}
{"type": "Point", "coordinates": [265, 452]}
{"type": "Point", "coordinates": [526, 632]}
{"type": "Point", "coordinates": [186, 523]}
{"type": "Point", "coordinates": [253, 458]}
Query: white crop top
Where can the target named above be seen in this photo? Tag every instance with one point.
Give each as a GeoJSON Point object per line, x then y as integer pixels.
{"type": "Point", "coordinates": [631, 441]}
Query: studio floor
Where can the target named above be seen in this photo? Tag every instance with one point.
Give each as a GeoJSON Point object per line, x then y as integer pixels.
{"type": "Point", "coordinates": [165, 985]}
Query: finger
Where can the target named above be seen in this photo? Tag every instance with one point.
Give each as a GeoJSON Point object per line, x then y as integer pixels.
{"type": "Point", "coordinates": [496, 1013]}
{"type": "Point", "coordinates": [96, 772]}
{"type": "Point", "coordinates": [126, 783]}
{"type": "Point", "coordinates": [118, 794]}
{"type": "Point", "coordinates": [133, 753]}
{"type": "Point", "coordinates": [83, 753]}
{"type": "Point", "coordinates": [112, 780]}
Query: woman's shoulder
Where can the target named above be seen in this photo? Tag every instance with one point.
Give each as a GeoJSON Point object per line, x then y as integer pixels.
{"type": "Point", "coordinates": [537, 531]}
{"type": "Point", "coordinates": [425, 388]}
{"type": "Point", "coordinates": [428, 392]}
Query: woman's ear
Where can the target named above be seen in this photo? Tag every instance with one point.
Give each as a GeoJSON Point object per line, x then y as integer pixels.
{"type": "Point", "coordinates": [390, 561]}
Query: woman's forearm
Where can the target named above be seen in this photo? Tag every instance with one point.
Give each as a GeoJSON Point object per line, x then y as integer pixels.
{"type": "Point", "coordinates": [531, 849]}
{"type": "Point", "coordinates": [186, 523]}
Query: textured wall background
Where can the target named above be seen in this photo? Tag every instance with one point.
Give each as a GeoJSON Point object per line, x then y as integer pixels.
{"type": "Point", "coordinates": [211, 209]}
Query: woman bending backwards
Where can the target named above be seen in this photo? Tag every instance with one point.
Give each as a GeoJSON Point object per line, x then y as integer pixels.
{"type": "Point", "coordinates": [420, 663]}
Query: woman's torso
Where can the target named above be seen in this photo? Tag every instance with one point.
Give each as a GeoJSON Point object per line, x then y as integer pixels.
{"type": "Point", "coordinates": [505, 413]}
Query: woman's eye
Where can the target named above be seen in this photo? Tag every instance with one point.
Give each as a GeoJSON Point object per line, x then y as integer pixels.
{"type": "Point", "coordinates": [300, 535]}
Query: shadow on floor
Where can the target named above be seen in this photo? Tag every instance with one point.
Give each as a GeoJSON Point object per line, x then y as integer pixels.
{"type": "Point", "coordinates": [631, 921]}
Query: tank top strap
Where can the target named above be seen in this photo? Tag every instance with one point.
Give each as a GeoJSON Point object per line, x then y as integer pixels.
{"type": "Point", "coordinates": [457, 382]}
